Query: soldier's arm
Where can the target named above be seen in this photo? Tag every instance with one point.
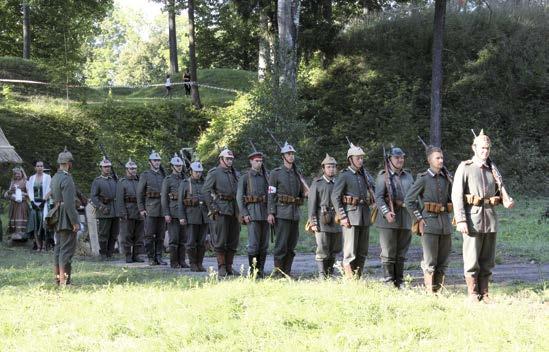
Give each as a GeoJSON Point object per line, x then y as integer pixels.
{"type": "Point", "coordinates": [411, 198]}
{"type": "Point", "coordinates": [240, 193]}
{"type": "Point", "coordinates": [94, 194]}
{"type": "Point", "coordinates": [68, 190]}
{"type": "Point", "coordinates": [337, 194]}
{"type": "Point", "coordinates": [312, 204]}
{"type": "Point", "coordinates": [457, 194]}
{"type": "Point", "coordinates": [381, 186]}
{"type": "Point", "coordinates": [120, 206]}
{"type": "Point", "coordinates": [207, 190]}
{"type": "Point", "coordinates": [181, 210]}
{"type": "Point", "coordinates": [140, 193]}
{"type": "Point", "coordinates": [164, 198]}
{"type": "Point", "coordinates": [272, 197]}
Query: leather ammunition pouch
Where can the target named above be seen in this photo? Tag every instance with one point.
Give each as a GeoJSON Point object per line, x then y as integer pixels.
{"type": "Point", "coordinates": [227, 197]}
{"type": "Point", "coordinates": [254, 199]}
{"type": "Point", "coordinates": [151, 194]}
{"type": "Point", "coordinates": [173, 196]}
{"type": "Point", "coordinates": [397, 203]}
{"type": "Point", "coordinates": [354, 201]}
{"type": "Point", "coordinates": [287, 199]}
{"type": "Point", "coordinates": [438, 208]}
{"type": "Point", "coordinates": [130, 199]}
{"type": "Point", "coordinates": [327, 215]}
{"type": "Point", "coordinates": [472, 199]}
{"type": "Point", "coordinates": [191, 202]}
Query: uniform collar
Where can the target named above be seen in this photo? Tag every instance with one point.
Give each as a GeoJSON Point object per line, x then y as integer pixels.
{"type": "Point", "coordinates": [328, 179]}
{"type": "Point", "coordinates": [478, 162]}
{"type": "Point", "coordinates": [352, 169]}
{"type": "Point", "coordinates": [131, 177]}
{"type": "Point", "coordinates": [432, 173]}
{"type": "Point", "coordinates": [395, 172]}
{"type": "Point", "coordinates": [254, 172]}
{"type": "Point", "coordinates": [105, 177]}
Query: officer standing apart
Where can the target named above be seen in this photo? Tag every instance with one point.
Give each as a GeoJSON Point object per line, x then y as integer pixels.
{"type": "Point", "coordinates": [478, 188]}
{"type": "Point", "coordinates": [131, 222]}
{"type": "Point", "coordinates": [286, 193]}
{"type": "Point", "coordinates": [63, 194]}
{"type": "Point", "coordinates": [322, 217]}
{"type": "Point", "coordinates": [432, 190]}
{"type": "Point", "coordinates": [393, 221]}
{"type": "Point", "coordinates": [149, 205]}
{"type": "Point", "coordinates": [170, 209]}
{"type": "Point", "coordinates": [352, 196]}
{"type": "Point", "coordinates": [252, 202]}
{"type": "Point", "coordinates": [194, 212]}
{"type": "Point", "coordinates": [219, 191]}
{"type": "Point", "coordinates": [103, 197]}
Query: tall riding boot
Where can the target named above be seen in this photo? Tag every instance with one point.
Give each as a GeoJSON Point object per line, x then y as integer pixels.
{"type": "Point", "coordinates": [174, 257]}
{"type": "Point", "coordinates": [388, 273]}
{"type": "Point", "coordinates": [56, 273]}
{"type": "Point", "coordinates": [229, 257]}
{"type": "Point", "coordinates": [330, 267]}
{"type": "Point", "coordinates": [110, 247]}
{"type": "Point", "coordinates": [103, 250]}
{"type": "Point", "coordinates": [278, 268]}
{"type": "Point", "coordinates": [483, 283]}
{"type": "Point", "coordinates": [399, 274]}
{"type": "Point", "coordinates": [200, 251]}
{"type": "Point", "coordinates": [128, 253]}
{"type": "Point", "coordinates": [438, 281]}
{"type": "Point", "coordinates": [158, 247]}
{"type": "Point", "coordinates": [135, 254]}
{"type": "Point", "coordinates": [261, 265]}
{"type": "Point", "coordinates": [288, 264]}
{"type": "Point", "coordinates": [472, 288]}
{"type": "Point", "coordinates": [428, 279]}
{"type": "Point", "coordinates": [191, 253]}
{"type": "Point", "coordinates": [221, 266]}
{"type": "Point", "coordinates": [181, 250]}
{"type": "Point", "coordinates": [321, 265]}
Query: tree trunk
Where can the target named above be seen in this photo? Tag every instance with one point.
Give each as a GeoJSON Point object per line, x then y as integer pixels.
{"type": "Point", "coordinates": [26, 31]}
{"type": "Point", "coordinates": [436, 80]}
{"type": "Point", "coordinates": [264, 49]}
{"type": "Point", "coordinates": [288, 23]}
{"type": "Point", "coordinates": [195, 96]}
{"type": "Point", "coordinates": [172, 39]}
{"type": "Point", "coordinates": [327, 10]}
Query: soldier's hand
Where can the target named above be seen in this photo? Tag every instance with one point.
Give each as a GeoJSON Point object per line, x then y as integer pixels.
{"type": "Point", "coordinates": [247, 219]}
{"type": "Point", "coordinates": [462, 227]}
{"type": "Point", "coordinates": [345, 222]}
{"type": "Point", "coordinates": [182, 222]}
{"type": "Point", "coordinates": [143, 213]}
{"type": "Point", "coordinates": [314, 228]}
{"type": "Point", "coordinates": [75, 227]}
{"type": "Point", "coordinates": [508, 203]}
{"type": "Point", "coordinates": [422, 226]}
{"type": "Point", "coordinates": [271, 219]}
{"type": "Point", "coordinates": [168, 219]}
{"type": "Point", "coordinates": [390, 216]}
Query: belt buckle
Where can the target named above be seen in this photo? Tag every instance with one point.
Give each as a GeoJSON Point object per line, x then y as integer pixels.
{"type": "Point", "coordinates": [486, 202]}
{"type": "Point", "coordinates": [442, 209]}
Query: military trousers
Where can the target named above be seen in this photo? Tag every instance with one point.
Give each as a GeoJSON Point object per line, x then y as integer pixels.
{"type": "Point", "coordinates": [328, 245]}
{"type": "Point", "coordinates": [108, 229]}
{"type": "Point", "coordinates": [177, 233]}
{"type": "Point", "coordinates": [258, 237]}
{"type": "Point", "coordinates": [131, 231]}
{"type": "Point", "coordinates": [287, 234]}
{"type": "Point", "coordinates": [355, 245]}
{"type": "Point", "coordinates": [227, 233]}
{"type": "Point", "coordinates": [436, 252]}
{"type": "Point", "coordinates": [154, 235]}
{"type": "Point", "coordinates": [479, 254]}
{"type": "Point", "coordinates": [394, 245]}
{"type": "Point", "coordinates": [65, 246]}
{"type": "Point", "coordinates": [196, 235]}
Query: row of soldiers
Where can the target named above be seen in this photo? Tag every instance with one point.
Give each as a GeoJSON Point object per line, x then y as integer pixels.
{"type": "Point", "coordinates": [341, 209]}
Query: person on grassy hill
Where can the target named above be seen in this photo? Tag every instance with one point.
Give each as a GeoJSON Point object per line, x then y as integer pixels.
{"type": "Point", "coordinates": [194, 212]}
{"type": "Point", "coordinates": [285, 196]}
{"type": "Point", "coordinates": [322, 218]}
{"type": "Point", "coordinates": [219, 191]}
{"type": "Point", "coordinates": [39, 189]}
{"type": "Point", "coordinates": [63, 194]}
{"type": "Point", "coordinates": [393, 221]}
{"type": "Point", "coordinates": [187, 84]}
{"type": "Point", "coordinates": [428, 201]}
{"type": "Point", "coordinates": [478, 189]}
{"type": "Point", "coordinates": [252, 202]}
{"type": "Point", "coordinates": [176, 229]}
{"type": "Point", "coordinates": [18, 210]}
{"type": "Point", "coordinates": [131, 222]}
{"type": "Point", "coordinates": [168, 86]}
{"type": "Point", "coordinates": [149, 205]}
{"type": "Point", "coordinates": [352, 197]}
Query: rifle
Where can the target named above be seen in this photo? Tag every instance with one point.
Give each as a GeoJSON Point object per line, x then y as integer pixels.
{"type": "Point", "coordinates": [104, 152]}
{"type": "Point", "coordinates": [445, 170]}
{"type": "Point", "coordinates": [388, 182]}
{"type": "Point", "coordinates": [497, 176]}
{"type": "Point", "coordinates": [294, 166]}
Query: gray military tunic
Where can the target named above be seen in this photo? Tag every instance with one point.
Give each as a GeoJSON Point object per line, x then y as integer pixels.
{"type": "Point", "coordinates": [322, 213]}
{"type": "Point", "coordinates": [103, 198]}
{"type": "Point", "coordinates": [148, 198]}
{"type": "Point", "coordinates": [219, 191]}
{"type": "Point", "coordinates": [195, 212]}
{"type": "Point", "coordinates": [354, 185]}
{"type": "Point", "coordinates": [169, 198]}
{"type": "Point", "coordinates": [285, 196]}
{"type": "Point", "coordinates": [395, 237]}
{"type": "Point", "coordinates": [474, 178]}
{"type": "Point", "coordinates": [252, 201]}
{"type": "Point", "coordinates": [434, 188]}
{"type": "Point", "coordinates": [131, 222]}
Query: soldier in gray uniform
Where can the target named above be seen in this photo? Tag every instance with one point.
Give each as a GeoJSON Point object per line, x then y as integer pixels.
{"type": "Point", "coordinates": [194, 213]}
{"type": "Point", "coordinates": [149, 205]}
{"type": "Point", "coordinates": [428, 200]}
{"type": "Point", "coordinates": [393, 221]}
{"type": "Point", "coordinates": [252, 202]}
{"type": "Point", "coordinates": [352, 196]}
{"type": "Point", "coordinates": [103, 198]}
{"type": "Point", "coordinates": [478, 189]}
{"type": "Point", "coordinates": [63, 194]}
{"type": "Point", "coordinates": [219, 191]}
{"type": "Point", "coordinates": [285, 196]}
{"type": "Point", "coordinates": [322, 218]}
{"type": "Point", "coordinates": [169, 199]}
{"type": "Point", "coordinates": [131, 222]}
